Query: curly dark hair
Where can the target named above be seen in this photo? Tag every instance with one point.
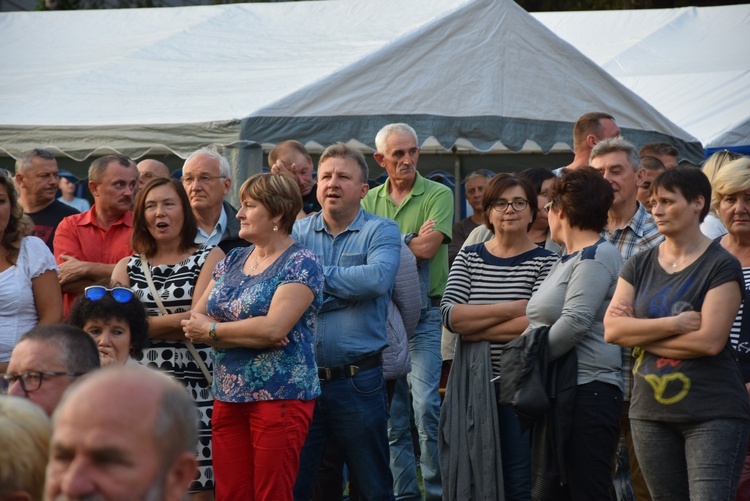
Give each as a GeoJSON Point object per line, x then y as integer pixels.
{"type": "Point", "coordinates": [133, 313]}
{"type": "Point", "coordinates": [19, 225]}
{"type": "Point", "coordinates": [584, 196]}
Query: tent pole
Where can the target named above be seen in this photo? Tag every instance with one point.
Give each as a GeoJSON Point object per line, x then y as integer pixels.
{"type": "Point", "coordinates": [457, 197]}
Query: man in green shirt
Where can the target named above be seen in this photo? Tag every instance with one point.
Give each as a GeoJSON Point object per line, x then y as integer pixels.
{"type": "Point", "coordinates": [423, 210]}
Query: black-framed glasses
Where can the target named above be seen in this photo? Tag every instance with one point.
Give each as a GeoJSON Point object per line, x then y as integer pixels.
{"type": "Point", "coordinates": [202, 180]}
{"type": "Point", "coordinates": [502, 205]}
{"type": "Point", "coordinates": [31, 380]}
{"type": "Point", "coordinates": [119, 294]}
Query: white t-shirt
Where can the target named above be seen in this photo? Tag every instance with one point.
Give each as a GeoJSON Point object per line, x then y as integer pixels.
{"type": "Point", "coordinates": [18, 313]}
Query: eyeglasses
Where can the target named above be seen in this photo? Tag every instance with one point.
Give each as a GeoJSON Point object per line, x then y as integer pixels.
{"type": "Point", "coordinates": [31, 380]}
{"type": "Point", "coordinates": [502, 205]}
{"type": "Point", "coordinates": [548, 206]}
{"type": "Point", "coordinates": [203, 180]}
{"type": "Point", "coordinates": [119, 294]}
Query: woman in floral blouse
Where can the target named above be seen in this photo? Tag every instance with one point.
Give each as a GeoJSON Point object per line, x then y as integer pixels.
{"type": "Point", "coordinates": [259, 315]}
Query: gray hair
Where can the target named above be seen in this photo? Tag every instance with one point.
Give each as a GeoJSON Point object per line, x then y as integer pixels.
{"type": "Point", "coordinates": [615, 144]}
{"type": "Point", "coordinates": [476, 174]}
{"type": "Point", "coordinates": [79, 351]}
{"type": "Point", "coordinates": [209, 151]}
{"type": "Point", "coordinates": [389, 129]}
{"type": "Point", "coordinates": [342, 150]}
{"type": "Point", "coordinates": [23, 164]}
{"type": "Point", "coordinates": [99, 166]}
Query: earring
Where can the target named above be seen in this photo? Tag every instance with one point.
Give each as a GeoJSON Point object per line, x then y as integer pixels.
{"type": "Point", "coordinates": [275, 227]}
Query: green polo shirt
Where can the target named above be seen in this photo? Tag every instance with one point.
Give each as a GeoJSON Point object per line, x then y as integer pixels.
{"type": "Point", "coordinates": [427, 200]}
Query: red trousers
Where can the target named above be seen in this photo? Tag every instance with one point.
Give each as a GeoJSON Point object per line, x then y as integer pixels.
{"type": "Point", "coordinates": [256, 448]}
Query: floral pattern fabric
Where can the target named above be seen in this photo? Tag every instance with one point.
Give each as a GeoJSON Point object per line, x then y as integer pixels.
{"type": "Point", "coordinates": [283, 373]}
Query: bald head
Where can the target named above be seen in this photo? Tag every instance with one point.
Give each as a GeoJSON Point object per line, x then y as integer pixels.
{"type": "Point", "coordinates": [149, 169]}
{"type": "Point", "coordinates": [143, 419]}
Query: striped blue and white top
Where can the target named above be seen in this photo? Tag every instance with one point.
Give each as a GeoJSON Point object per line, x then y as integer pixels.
{"type": "Point", "coordinates": [479, 277]}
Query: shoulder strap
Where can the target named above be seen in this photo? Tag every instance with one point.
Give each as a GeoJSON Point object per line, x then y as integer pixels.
{"type": "Point", "coordinates": [160, 305]}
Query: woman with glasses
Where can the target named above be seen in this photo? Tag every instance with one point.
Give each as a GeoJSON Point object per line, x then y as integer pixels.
{"type": "Point", "coordinates": [169, 272]}
{"type": "Point", "coordinates": [259, 314]}
{"type": "Point", "coordinates": [29, 289]}
{"type": "Point", "coordinates": [115, 319]}
{"type": "Point", "coordinates": [675, 304]}
{"type": "Point", "coordinates": [572, 301]}
{"type": "Point", "coordinates": [485, 300]}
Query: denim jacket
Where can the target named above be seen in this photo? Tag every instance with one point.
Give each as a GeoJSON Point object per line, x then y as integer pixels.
{"type": "Point", "coordinates": [359, 267]}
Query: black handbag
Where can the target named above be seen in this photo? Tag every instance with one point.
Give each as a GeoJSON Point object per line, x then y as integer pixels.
{"type": "Point", "coordinates": [523, 364]}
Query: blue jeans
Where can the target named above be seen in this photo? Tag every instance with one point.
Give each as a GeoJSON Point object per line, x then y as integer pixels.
{"type": "Point", "coordinates": [426, 364]}
{"type": "Point", "coordinates": [695, 461]}
{"type": "Point", "coordinates": [515, 452]}
{"type": "Point", "coordinates": [354, 413]}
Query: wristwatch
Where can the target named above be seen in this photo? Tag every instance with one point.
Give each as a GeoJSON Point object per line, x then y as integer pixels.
{"type": "Point", "coordinates": [408, 237]}
{"type": "Point", "coordinates": [212, 333]}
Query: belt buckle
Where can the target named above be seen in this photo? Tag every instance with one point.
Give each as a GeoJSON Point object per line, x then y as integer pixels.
{"type": "Point", "coordinates": [353, 370]}
{"type": "Point", "coordinates": [327, 374]}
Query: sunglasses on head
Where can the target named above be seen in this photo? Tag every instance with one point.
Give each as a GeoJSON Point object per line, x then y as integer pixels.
{"type": "Point", "coordinates": [119, 294]}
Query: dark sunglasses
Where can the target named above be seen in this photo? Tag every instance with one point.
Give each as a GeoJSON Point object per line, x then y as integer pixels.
{"type": "Point", "coordinates": [120, 294]}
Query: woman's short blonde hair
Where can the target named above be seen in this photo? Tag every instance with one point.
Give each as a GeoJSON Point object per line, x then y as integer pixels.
{"type": "Point", "coordinates": [732, 178]}
{"type": "Point", "coordinates": [278, 193]}
{"type": "Point", "coordinates": [25, 432]}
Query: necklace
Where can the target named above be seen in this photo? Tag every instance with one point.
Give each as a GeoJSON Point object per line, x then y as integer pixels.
{"type": "Point", "coordinates": [259, 261]}
{"type": "Point", "coordinates": [677, 263]}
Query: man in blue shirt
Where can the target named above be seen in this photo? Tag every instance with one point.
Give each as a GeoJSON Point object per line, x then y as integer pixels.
{"type": "Point", "coordinates": [360, 255]}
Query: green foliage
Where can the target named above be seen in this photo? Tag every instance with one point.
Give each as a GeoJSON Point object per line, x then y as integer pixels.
{"type": "Point", "coordinates": [564, 5]}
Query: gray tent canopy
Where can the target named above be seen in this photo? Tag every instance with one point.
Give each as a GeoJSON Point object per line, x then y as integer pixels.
{"type": "Point", "coordinates": [474, 75]}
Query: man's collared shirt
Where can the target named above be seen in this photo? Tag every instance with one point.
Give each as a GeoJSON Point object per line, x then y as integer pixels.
{"type": "Point", "coordinates": [427, 200]}
{"type": "Point", "coordinates": [214, 238]}
{"type": "Point", "coordinates": [638, 235]}
{"type": "Point", "coordinates": [359, 267]}
{"type": "Point", "coordinates": [82, 237]}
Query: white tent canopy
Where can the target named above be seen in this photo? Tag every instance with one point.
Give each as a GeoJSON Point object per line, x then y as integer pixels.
{"type": "Point", "coordinates": [692, 64]}
{"type": "Point", "coordinates": [475, 74]}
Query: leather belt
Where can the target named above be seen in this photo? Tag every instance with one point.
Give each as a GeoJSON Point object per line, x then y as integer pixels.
{"type": "Point", "coordinates": [435, 301]}
{"type": "Point", "coordinates": [349, 370]}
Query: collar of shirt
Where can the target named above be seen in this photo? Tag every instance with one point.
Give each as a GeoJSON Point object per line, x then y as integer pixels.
{"type": "Point", "coordinates": [319, 223]}
{"type": "Point", "coordinates": [89, 217]}
{"type": "Point", "coordinates": [215, 237]}
{"type": "Point", "coordinates": [417, 189]}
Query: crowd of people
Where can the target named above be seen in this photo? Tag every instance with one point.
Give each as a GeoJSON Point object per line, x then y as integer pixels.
{"type": "Point", "coordinates": [163, 343]}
